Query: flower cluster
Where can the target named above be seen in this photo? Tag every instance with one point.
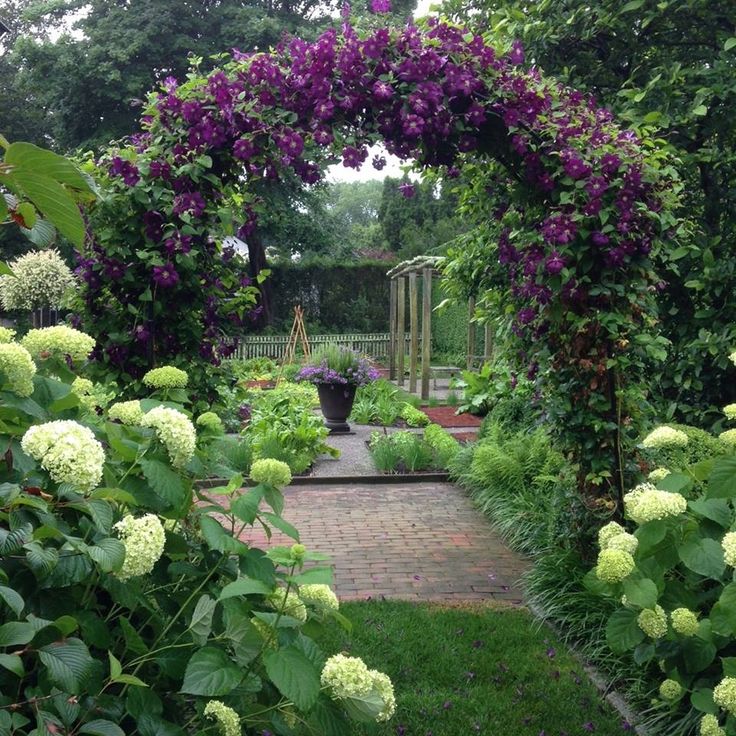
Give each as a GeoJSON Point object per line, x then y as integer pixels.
{"type": "Point", "coordinates": [729, 437]}
{"type": "Point", "coordinates": [126, 412]}
{"type": "Point", "coordinates": [338, 365]}
{"type": "Point", "coordinates": [729, 548]}
{"type": "Point", "coordinates": [670, 690]}
{"type": "Point", "coordinates": [684, 621]}
{"type": "Point", "coordinates": [144, 540]}
{"type": "Point", "coordinates": [709, 726]}
{"type": "Point", "coordinates": [321, 596]}
{"type": "Point", "coordinates": [227, 719]}
{"type": "Point", "coordinates": [653, 622]}
{"type": "Point", "coordinates": [289, 603]}
{"type": "Point", "coordinates": [210, 420]}
{"type": "Point", "coordinates": [167, 376]}
{"type": "Point", "coordinates": [175, 431]}
{"type": "Point", "coordinates": [68, 451]}
{"type": "Point", "coordinates": [647, 503]}
{"type": "Point", "coordinates": [59, 342]}
{"type": "Point", "coordinates": [6, 334]}
{"type": "Point", "coordinates": [724, 694]}
{"type": "Point", "coordinates": [41, 279]}
{"type": "Point", "coordinates": [730, 411]}
{"type": "Point", "coordinates": [18, 368]}
{"type": "Point", "coordinates": [348, 677]}
{"type": "Point", "coordinates": [665, 437]}
{"type": "Point", "coordinates": [614, 565]}
{"type": "Point", "coordinates": [92, 396]}
{"type": "Point", "coordinates": [270, 473]}
{"type": "Point", "coordinates": [658, 474]}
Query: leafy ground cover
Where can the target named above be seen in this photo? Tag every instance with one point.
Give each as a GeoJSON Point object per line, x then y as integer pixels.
{"type": "Point", "coordinates": [473, 670]}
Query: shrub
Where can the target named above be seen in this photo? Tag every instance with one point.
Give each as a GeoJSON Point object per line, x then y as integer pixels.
{"type": "Point", "coordinates": [444, 446]}
{"type": "Point", "coordinates": [700, 446]}
{"type": "Point", "coordinates": [40, 279]}
{"type": "Point", "coordinates": [414, 417]}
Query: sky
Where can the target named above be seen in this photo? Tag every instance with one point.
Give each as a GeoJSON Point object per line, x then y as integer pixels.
{"type": "Point", "coordinates": [340, 173]}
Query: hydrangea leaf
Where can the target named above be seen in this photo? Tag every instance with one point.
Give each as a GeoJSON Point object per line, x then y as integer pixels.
{"type": "Point", "coordinates": [210, 672]}
{"type": "Point", "coordinates": [294, 675]}
{"type": "Point", "coordinates": [623, 632]}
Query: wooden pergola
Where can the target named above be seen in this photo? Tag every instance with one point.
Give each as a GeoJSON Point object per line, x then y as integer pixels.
{"type": "Point", "coordinates": [404, 278]}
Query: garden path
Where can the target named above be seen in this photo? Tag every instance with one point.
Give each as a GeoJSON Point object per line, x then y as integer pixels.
{"type": "Point", "coordinates": [418, 541]}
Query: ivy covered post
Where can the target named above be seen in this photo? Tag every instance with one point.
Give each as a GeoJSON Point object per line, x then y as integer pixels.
{"type": "Point", "coordinates": [401, 322]}
{"type": "Point", "coordinates": [413, 331]}
{"type": "Point", "coordinates": [393, 294]}
{"type": "Point", "coordinates": [426, 329]}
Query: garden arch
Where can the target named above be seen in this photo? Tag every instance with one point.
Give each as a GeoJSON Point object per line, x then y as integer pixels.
{"type": "Point", "coordinates": [581, 206]}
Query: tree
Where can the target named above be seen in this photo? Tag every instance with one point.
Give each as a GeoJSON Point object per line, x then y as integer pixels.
{"type": "Point", "coordinates": [671, 65]}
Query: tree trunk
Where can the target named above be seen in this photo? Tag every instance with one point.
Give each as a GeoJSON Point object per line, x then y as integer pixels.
{"type": "Point", "coordinates": [257, 263]}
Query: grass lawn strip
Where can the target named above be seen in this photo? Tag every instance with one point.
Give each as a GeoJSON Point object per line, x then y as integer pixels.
{"type": "Point", "coordinates": [473, 669]}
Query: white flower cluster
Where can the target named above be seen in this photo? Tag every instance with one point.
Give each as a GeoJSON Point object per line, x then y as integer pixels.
{"type": "Point", "coordinates": [724, 694]}
{"type": "Point", "coordinates": [658, 474]}
{"type": "Point", "coordinates": [290, 604]}
{"type": "Point", "coordinates": [665, 437]}
{"type": "Point", "coordinates": [709, 723]}
{"type": "Point", "coordinates": [58, 342]}
{"type": "Point", "coordinates": [653, 622]}
{"type": "Point", "coordinates": [92, 396]}
{"type": "Point", "coordinates": [729, 548]}
{"type": "Point", "coordinates": [166, 377]}
{"type": "Point", "coordinates": [6, 334]}
{"type": "Point", "coordinates": [729, 437]}
{"type": "Point", "coordinates": [144, 540]}
{"type": "Point", "coordinates": [647, 503]}
{"type": "Point", "coordinates": [730, 411]}
{"type": "Point", "coordinates": [17, 367]}
{"type": "Point", "coordinates": [320, 596]}
{"type": "Point", "coordinates": [175, 431]}
{"type": "Point", "coordinates": [684, 621]}
{"type": "Point", "coordinates": [227, 719]}
{"type": "Point", "coordinates": [614, 565]}
{"type": "Point", "coordinates": [41, 279]}
{"type": "Point", "coordinates": [68, 451]}
{"type": "Point", "coordinates": [126, 412]}
{"type": "Point", "coordinates": [348, 677]}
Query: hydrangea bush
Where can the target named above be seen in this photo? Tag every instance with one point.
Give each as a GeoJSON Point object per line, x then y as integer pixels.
{"type": "Point", "coordinates": [673, 574]}
{"type": "Point", "coordinates": [39, 279]}
{"type": "Point", "coordinates": [128, 598]}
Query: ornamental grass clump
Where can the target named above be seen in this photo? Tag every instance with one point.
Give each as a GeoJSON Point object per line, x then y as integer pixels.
{"type": "Point", "coordinates": [59, 342]}
{"type": "Point", "coordinates": [40, 279]}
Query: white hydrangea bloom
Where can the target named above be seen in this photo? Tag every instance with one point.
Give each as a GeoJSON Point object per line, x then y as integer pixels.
{"type": "Point", "coordinates": [58, 342]}
{"type": "Point", "coordinates": [68, 451]}
{"type": "Point", "coordinates": [729, 548]}
{"type": "Point", "coordinates": [167, 376]}
{"type": "Point", "coordinates": [290, 604]}
{"type": "Point", "coordinates": [227, 719]}
{"type": "Point", "coordinates": [614, 565]}
{"type": "Point", "coordinates": [729, 437]}
{"type": "Point", "coordinates": [385, 688]}
{"type": "Point", "coordinates": [175, 431]}
{"type": "Point", "coordinates": [724, 694]}
{"type": "Point", "coordinates": [709, 723]}
{"type": "Point", "coordinates": [346, 677]}
{"type": "Point", "coordinates": [647, 503]}
{"type": "Point", "coordinates": [126, 412]}
{"type": "Point", "coordinates": [653, 622]}
{"type": "Point", "coordinates": [730, 411]}
{"type": "Point", "coordinates": [144, 540]}
{"type": "Point", "coordinates": [17, 367]}
{"type": "Point", "coordinates": [665, 437]}
{"type": "Point", "coordinates": [607, 532]}
{"type": "Point", "coordinates": [658, 474]}
{"type": "Point", "coordinates": [624, 541]}
{"type": "Point", "coordinates": [41, 279]}
{"type": "Point", "coordinates": [321, 596]}
{"type": "Point", "coordinates": [6, 334]}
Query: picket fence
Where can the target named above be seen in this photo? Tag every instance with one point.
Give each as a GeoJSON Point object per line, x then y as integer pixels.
{"type": "Point", "coordinates": [372, 344]}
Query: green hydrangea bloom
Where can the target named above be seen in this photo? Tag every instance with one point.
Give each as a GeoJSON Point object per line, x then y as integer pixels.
{"type": "Point", "coordinates": [68, 451]}
{"type": "Point", "coordinates": [724, 694]}
{"type": "Point", "coordinates": [346, 677]}
{"type": "Point", "coordinates": [18, 368]}
{"type": "Point", "coordinates": [709, 723]}
{"type": "Point", "coordinates": [144, 540]}
{"type": "Point", "coordinates": [320, 596]}
{"type": "Point", "coordinates": [614, 565]}
{"type": "Point", "coordinates": [684, 621]}
{"type": "Point", "coordinates": [167, 376]}
{"type": "Point", "coordinates": [624, 541]}
{"type": "Point", "coordinates": [58, 342]}
{"type": "Point", "coordinates": [270, 472]}
{"type": "Point", "coordinates": [646, 503]}
{"type": "Point", "coordinates": [6, 334]}
{"type": "Point", "coordinates": [209, 420]}
{"type": "Point", "coordinates": [658, 474]}
{"type": "Point", "coordinates": [729, 437]}
{"type": "Point", "coordinates": [729, 548]}
{"type": "Point", "coordinates": [384, 687]}
{"type": "Point", "coordinates": [175, 431]}
{"type": "Point", "coordinates": [290, 604]}
{"type": "Point", "coordinates": [227, 719]}
{"type": "Point", "coordinates": [665, 437]}
{"type": "Point", "coordinates": [653, 622]}
{"type": "Point", "coordinates": [607, 532]}
{"type": "Point", "coordinates": [670, 690]}
{"type": "Point", "coordinates": [126, 412]}
{"type": "Point", "coordinates": [730, 411]}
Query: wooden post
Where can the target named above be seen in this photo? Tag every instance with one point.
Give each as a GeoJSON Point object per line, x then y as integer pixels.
{"type": "Point", "coordinates": [426, 329]}
{"type": "Point", "coordinates": [392, 331]}
{"type": "Point", "coordinates": [471, 333]}
{"type": "Point", "coordinates": [488, 339]}
{"type": "Point", "coordinates": [414, 329]}
{"type": "Point", "coordinates": [401, 318]}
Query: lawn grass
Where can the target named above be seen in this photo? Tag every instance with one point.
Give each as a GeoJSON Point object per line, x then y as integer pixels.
{"type": "Point", "coordinates": [472, 670]}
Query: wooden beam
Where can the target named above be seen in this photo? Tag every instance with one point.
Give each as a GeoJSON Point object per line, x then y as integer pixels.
{"type": "Point", "coordinates": [392, 331]}
{"type": "Point", "coordinates": [426, 329]}
{"type": "Point", "coordinates": [488, 339]}
{"type": "Point", "coordinates": [414, 329]}
{"type": "Point", "coordinates": [471, 333]}
{"type": "Point", "coordinates": [401, 328]}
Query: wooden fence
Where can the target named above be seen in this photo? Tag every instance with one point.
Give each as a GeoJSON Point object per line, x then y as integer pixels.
{"type": "Point", "coordinates": [373, 344]}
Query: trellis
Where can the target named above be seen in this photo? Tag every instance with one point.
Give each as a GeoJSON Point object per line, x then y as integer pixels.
{"type": "Point", "coordinates": [405, 281]}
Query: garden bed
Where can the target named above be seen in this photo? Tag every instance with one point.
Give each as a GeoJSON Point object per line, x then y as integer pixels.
{"type": "Point", "coordinates": [445, 416]}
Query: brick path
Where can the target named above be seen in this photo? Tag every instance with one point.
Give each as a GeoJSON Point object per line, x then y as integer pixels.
{"type": "Point", "coordinates": [412, 541]}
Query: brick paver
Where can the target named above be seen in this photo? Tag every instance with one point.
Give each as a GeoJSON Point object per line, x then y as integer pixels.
{"type": "Point", "coordinates": [419, 541]}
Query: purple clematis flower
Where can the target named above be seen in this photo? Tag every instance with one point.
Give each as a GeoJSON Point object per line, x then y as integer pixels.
{"type": "Point", "coordinates": [165, 275]}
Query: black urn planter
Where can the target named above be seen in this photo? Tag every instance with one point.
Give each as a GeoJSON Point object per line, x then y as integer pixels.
{"type": "Point", "coordinates": [336, 403]}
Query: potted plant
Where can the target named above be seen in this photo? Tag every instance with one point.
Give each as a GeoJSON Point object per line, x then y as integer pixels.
{"type": "Point", "coordinates": [337, 372]}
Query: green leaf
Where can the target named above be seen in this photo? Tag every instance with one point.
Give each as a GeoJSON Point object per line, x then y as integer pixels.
{"type": "Point", "coordinates": [98, 510]}
{"type": "Point", "coordinates": [47, 163]}
{"type": "Point", "coordinates": [15, 633]}
{"type": "Point", "coordinates": [641, 592]}
{"type": "Point", "coordinates": [115, 667]}
{"type": "Point", "coordinates": [210, 672]}
{"type": "Point", "coordinates": [133, 640]}
{"type": "Point", "coordinates": [675, 482]}
{"type": "Point", "coordinates": [245, 507]}
{"type": "Point", "coordinates": [728, 665]}
{"type": "Point", "coordinates": [698, 653]}
{"type": "Point", "coordinates": [715, 509]}
{"type": "Point", "coordinates": [130, 680]}
{"type": "Point", "coordinates": [700, 110]}
{"type": "Point", "coordinates": [314, 575]}
{"type": "Point", "coordinates": [165, 482]}
{"type": "Point", "coordinates": [108, 553]}
{"type": "Point", "coordinates": [102, 728]}
{"type": "Point", "coordinates": [13, 663]}
{"type": "Point", "coordinates": [632, 5]}
{"type": "Point", "coordinates": [623, 632]}
{"type": "Point", "coordinates": [68, 663]}
{"type": "Point", "coordinates": [704, 556]}
{"type": "Point", "coordinates": [28, 212]}
{"type": "Point", "coordinates": [219, 539]}
{"type": "Point", "coordinates": [294, 675]}
{"type": "Point", "coordinates": [702, 700]}
{"type": "Point", "coordinates": [52, 200]}
{"type": "Point", "coordinates": [730, 43]}
{"type": "Point", "coordinates": [722, 481]}
{"type": "Point", "coordinates": [201, 623]}
{"type": "Point", "coordinates": [723, 614]}
{"type": "Point", "coordinates": [12, 599]}
{"type": "Point", "coordinates": [280, 524]}
{"type": "Point", "coordinates": [245, 586]}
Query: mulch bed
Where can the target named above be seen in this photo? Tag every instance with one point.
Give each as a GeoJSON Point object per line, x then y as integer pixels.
{"type": "Point", "coordinates": [445, 416]}
{"type": "Point", "coordinates": [465, 436]}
